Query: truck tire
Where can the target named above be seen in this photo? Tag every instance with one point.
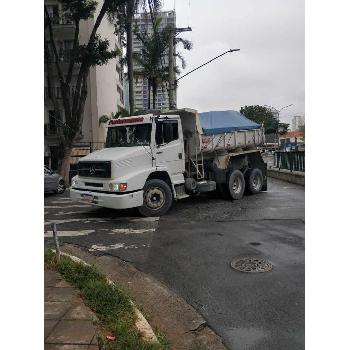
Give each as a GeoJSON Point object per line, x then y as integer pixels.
{"type": "Point", "coordinates": [236, 184]}
{"type": "Point", "coordinates": [255, 181]}
{"type": "Point", "coordinates": [157, 198]}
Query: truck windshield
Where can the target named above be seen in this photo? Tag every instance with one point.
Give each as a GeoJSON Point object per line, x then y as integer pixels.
{"type": "Point", "coordinates": [129, 135]}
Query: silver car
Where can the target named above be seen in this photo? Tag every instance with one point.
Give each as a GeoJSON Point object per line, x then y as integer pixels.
{"type": "Point", "coordinates": [53, 182]}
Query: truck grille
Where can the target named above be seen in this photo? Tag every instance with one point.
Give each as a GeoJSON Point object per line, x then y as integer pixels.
{"type": "Point", "coordinates": [100, 169]}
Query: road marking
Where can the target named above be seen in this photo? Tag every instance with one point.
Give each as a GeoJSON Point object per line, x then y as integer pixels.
{"type": "Point", "coordinates": [67, 206]}
{"type": "Point", "coordinates": [60, 202]}
{"type": "Point", "coordinates": [68, 233]}
{"type": "Point", "coordinates": [130, 230]}
{"type": "Point", "coordinates": [103, 248]}
{"type": "Point", "coordinates": [86, 221]}
{"type": "Point", "coordinates": [70, 212]}
{"type": "Point", "coordinates": [149, 219]}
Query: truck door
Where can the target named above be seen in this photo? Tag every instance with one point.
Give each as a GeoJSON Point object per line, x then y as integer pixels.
{"type": "Point", "coordinates": [169, 147]}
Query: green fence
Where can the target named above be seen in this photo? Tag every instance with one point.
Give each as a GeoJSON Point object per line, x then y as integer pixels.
{"type": "Point", "coordinates": [293, 161]}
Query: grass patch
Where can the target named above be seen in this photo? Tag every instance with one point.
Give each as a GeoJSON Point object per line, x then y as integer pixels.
{"type": "Point", "coordinates": [111, 304]}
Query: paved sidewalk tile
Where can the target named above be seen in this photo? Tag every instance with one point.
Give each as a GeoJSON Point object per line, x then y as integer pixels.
{"type": "Point", "coordinates": [69, 323]}
{"type": "Point", "coordinates": [49, 326]}
{"type": "Point", "coordinates": [60, 294]}
{"type": "Point", "coordinates": [55, 309]}
{"type": "Point", "coordinates": [72, 332]}
{"type": "Point", "coordinates": [79, 312]}
{"type": "Point", "coordinates": [66, 347]}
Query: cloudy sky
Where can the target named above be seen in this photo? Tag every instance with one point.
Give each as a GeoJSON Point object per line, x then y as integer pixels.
{"type": "Point", "coordinates": [269, 69]}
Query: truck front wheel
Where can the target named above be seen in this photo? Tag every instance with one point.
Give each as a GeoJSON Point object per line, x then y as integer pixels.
{"type": "Point", "coordinates": [157, 198]}
{"type": "Point", "coordinates": [236, 184]}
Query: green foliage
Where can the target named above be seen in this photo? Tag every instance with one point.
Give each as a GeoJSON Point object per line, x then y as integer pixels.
{"type": "Point", "coordinates": [103, 119]}
{"type": "Point", "coordinates": [123, 113]}
{"type": "Point", "coordinates": [260, 115]}
{"type": "Point", "coordinates": [97, 53]}
{"type": "Point", "coordinates": [49, 258]}
{"type": "Point", "coordinates": [78, 274]}
{"type": "Point", "coordinates": [78, 10]}
{"type": "Point", "coordinates": [283, 128]}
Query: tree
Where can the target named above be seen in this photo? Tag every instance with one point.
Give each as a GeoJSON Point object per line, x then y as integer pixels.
{"type": "Point", "coordinates": [155, 47]}
{"type": "Point", "coordinates": [83, 56]}
{"type": "Point", "coordinates": [123, 17]}
{"type": "Point", "coordinates": [283, 128]}
{"type": "Point", "coordinates": [120, 114]}
{"type": "Point", "coordinates": [260, 115]}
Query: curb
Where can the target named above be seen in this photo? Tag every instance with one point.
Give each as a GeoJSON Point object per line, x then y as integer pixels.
{"type": "Point", "coordinates": [295, 177]}
{"type": "Point", "coordinates": [141, 323]}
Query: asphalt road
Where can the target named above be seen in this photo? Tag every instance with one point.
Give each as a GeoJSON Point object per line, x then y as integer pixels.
{"type": "Point", "coordinates": [190, 250]}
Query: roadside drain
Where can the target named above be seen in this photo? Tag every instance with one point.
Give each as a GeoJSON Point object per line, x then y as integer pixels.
{"type": "Point", "coordinates": [251, 264]}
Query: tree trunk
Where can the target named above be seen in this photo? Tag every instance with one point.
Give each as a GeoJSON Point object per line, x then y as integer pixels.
{"type": "Point", "coordinates": [154, 89]}
{"type": "Point", "coordinates": [149, 94]}
{"type": "Point", "coordinates": [130, 6]}
{"type": "Point", "coordinates": [64, 166]}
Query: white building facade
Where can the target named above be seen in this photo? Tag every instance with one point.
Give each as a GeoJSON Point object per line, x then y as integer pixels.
{"type": "Point", "coordinates": [297, 122]}
{"type": "Point", "coordinates": [105, 83]}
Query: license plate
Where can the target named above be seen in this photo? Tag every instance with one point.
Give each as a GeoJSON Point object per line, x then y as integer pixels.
{"type": "Point", "coordinates": [87, 198]}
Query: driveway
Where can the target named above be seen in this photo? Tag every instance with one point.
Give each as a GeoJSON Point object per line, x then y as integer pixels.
{"type": "Point", "coordinates": [191, 248]}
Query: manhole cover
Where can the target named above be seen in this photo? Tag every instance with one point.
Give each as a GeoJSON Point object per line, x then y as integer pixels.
{"type": "Point", "coordinates": [251, 265]}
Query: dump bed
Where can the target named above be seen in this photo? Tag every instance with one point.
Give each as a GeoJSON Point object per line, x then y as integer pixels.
{"type": "Point", "coordinates": [228, 130]}
{"type": "Point", "coordinates": [217, 130]}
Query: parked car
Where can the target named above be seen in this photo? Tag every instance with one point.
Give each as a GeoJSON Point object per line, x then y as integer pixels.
{"type": "Point", "coordinates": [53, 182]}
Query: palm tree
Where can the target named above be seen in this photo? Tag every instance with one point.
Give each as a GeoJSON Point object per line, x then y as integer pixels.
{"type": "Point", "coordinates": [155, 47]}
{"type": "Point", "coordinates": [149, 61]}
{"type": "Point", "coordinates": [123, 17]}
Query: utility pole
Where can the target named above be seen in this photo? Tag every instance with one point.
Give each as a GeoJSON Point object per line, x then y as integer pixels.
{"type": "Point", "coordinates": [172, 80]}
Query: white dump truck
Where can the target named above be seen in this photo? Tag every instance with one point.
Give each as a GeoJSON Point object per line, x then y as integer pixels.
{"type": "Point", "coordinates": [153, 159]}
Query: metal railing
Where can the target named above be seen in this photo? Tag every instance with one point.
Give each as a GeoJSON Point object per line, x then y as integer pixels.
{"type": "Point", "coordinates": [293, 161]}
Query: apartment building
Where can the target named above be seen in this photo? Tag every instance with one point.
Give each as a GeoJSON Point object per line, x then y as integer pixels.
{"type": "Point", "coordinates": [143, 22]}
{"type": "Point", "coordinates": [297, 122]}
{"type": "Point", "coordinates": [105, 83]}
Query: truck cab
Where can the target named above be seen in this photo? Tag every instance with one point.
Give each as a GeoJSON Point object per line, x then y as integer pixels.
{"type": "Point", "coordinates": [141, 165]}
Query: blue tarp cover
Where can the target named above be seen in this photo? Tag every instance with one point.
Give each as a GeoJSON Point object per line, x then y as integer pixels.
{"type": "Point", "coordinates": [218, 122]}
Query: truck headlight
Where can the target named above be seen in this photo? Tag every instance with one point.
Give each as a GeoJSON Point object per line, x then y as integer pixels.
{"type": "Point", "coordinates": [118, 187]}
{"type": "Point", "coordinates": [74, 183]}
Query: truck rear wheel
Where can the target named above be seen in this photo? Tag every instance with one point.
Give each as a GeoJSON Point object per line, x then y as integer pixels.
{"type": "Point", "coordinates": [256, 181]}
{"type": "Point", "coordinates": [236, 184]}
{"type": "Point", "coordinates": [157, 198]}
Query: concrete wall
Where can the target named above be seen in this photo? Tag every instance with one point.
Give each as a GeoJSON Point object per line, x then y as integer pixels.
{"type": "Point", "coordinates": [295, 177]}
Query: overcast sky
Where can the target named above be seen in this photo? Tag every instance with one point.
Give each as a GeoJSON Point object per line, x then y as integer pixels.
{"type": "Point", "coordinates": [269, 69]}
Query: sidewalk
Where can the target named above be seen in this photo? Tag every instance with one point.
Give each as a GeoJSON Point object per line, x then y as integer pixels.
{"type": "Point", "coordinates": [69, 324]}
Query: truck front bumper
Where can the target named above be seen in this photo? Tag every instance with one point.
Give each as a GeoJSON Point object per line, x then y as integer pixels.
{"type": "Point", "coordinates": [108, 200]}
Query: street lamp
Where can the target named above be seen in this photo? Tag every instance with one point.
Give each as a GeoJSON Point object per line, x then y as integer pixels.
{"type": "Point", "coordinates": [224, 53]}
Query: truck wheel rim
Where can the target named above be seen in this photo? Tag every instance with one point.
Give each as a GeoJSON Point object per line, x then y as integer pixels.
{"type": "Point", "coordinates": [236, 185]}
{"type": "Point", "coordinates": [256, 181]}
{"type": "Point", "coordinates": [154, 198]}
